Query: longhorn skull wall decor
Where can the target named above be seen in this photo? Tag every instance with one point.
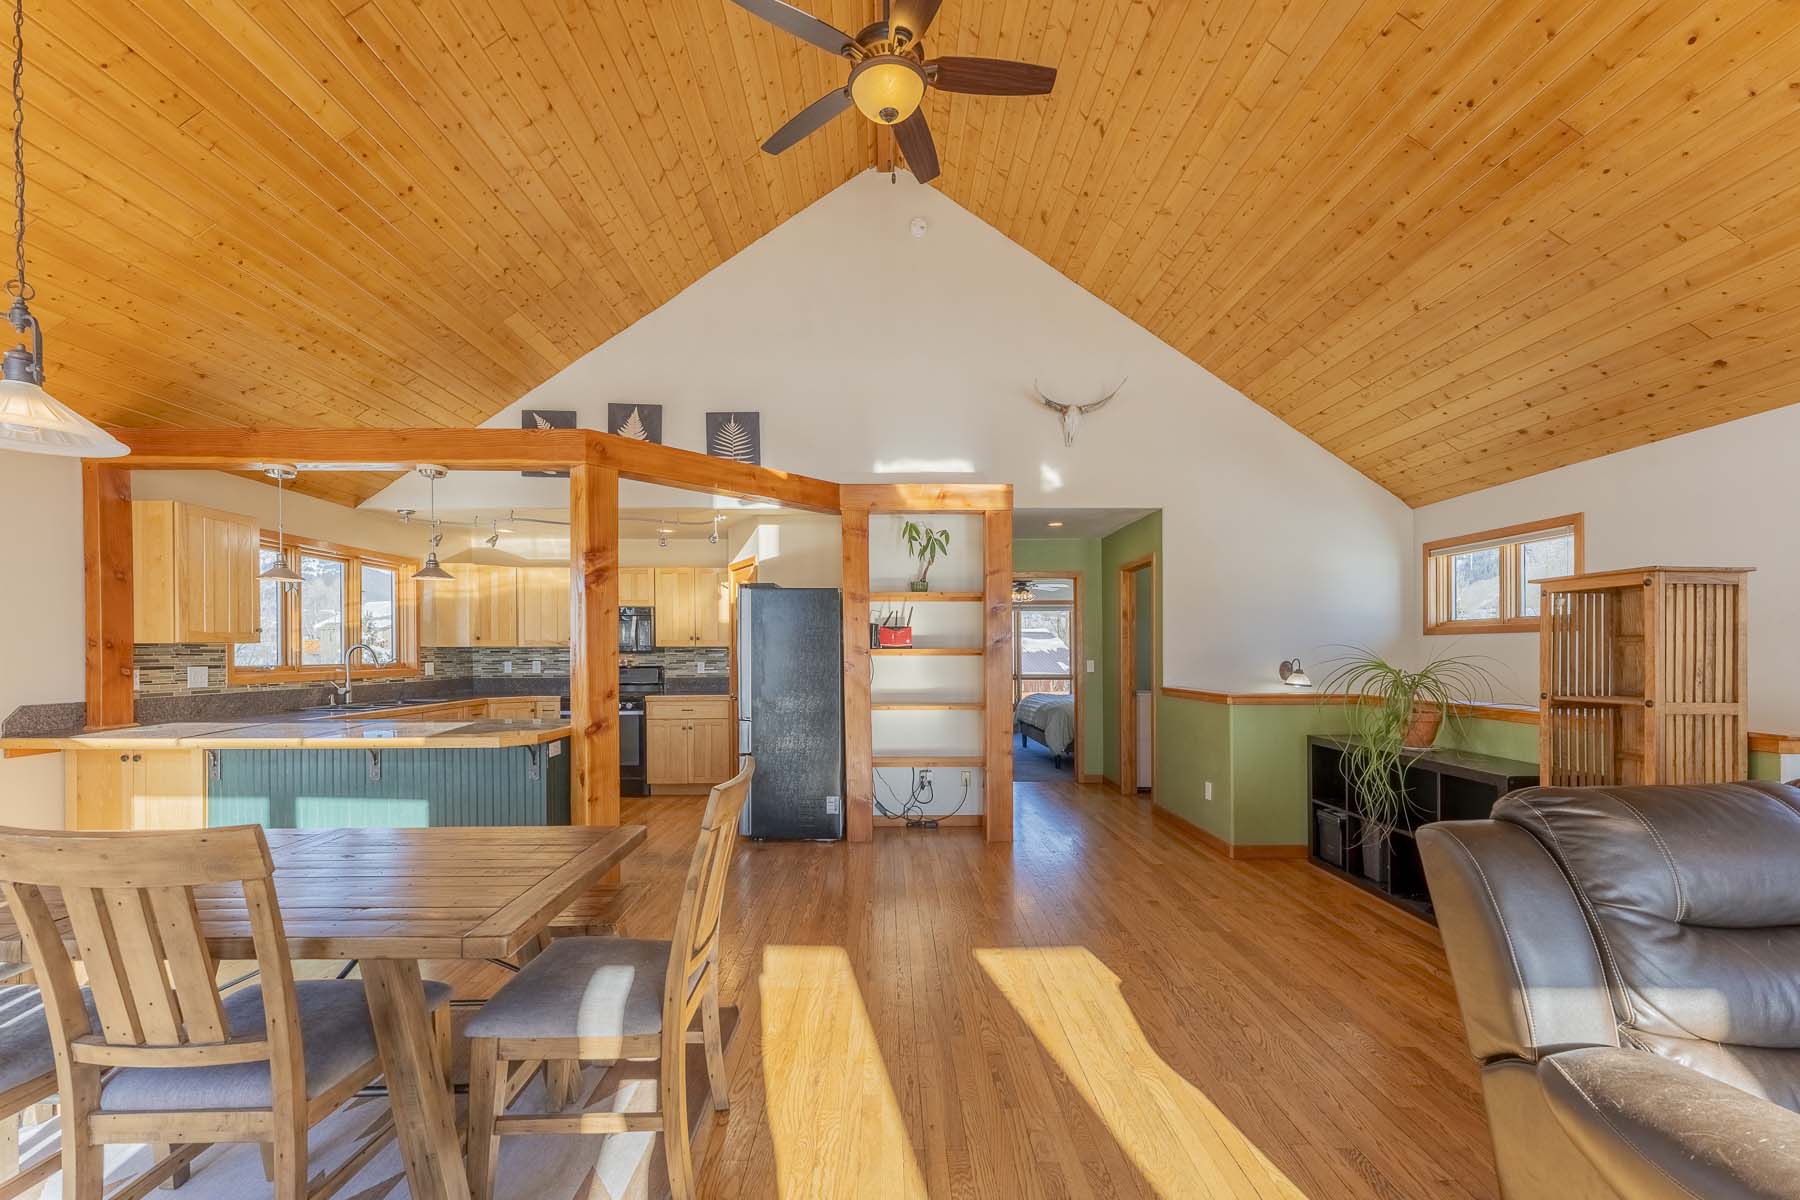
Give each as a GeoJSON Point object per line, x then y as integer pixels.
{"type": "Point", "coordinates": [1071, 414]}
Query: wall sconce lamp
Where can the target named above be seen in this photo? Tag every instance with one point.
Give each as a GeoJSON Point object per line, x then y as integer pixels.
{"type": "Point", "coordinates": [1293, 674]}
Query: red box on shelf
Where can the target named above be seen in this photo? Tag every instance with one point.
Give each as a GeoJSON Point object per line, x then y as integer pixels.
{"type": "Point", "coordinates": [894, 636]}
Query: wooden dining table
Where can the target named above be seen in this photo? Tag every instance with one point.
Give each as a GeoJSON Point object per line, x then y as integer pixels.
{"type": "Point", "coordinates": [393, 897]}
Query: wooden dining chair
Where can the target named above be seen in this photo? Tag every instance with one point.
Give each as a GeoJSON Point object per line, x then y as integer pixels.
{"type": "Point", "coordinates": [602, 999]}
{"type": "Point", "coordinates": [162, 1057]}
{"type": "Point", "coordinates": [27, 1080]}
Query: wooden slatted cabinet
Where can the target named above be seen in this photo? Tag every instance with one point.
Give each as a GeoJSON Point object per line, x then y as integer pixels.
{"type": "Point", "coordinates": [1644, 676]}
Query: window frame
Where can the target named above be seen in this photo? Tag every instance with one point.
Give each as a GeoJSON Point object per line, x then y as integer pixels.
{"type": "Point", "coordinates": [1018, 649]}
{"type": "Point", "coordinates": [1509, 539]}
{"type": "Point", "coordinates": [406, 620]}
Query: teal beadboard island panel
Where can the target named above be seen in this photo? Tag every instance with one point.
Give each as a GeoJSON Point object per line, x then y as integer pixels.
{"type": "Point", "coordinates": [320, 789]}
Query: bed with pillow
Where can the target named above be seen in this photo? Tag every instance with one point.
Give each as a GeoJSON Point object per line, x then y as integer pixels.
{"type": "Point", "coordinates": [1048, 720]}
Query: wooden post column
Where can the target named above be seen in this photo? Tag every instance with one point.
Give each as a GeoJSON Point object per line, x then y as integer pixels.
{"type": "Point", "coordinates": [859, 765]}
{"type": "Point", "coordinates": [997, 663]}
{"type": "Point", "coordinates": [106, 563]}
{"type": "Point", "coordinates": [594, 645]}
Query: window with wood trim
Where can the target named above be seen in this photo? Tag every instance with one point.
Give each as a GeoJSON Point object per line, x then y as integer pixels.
{"type": "Point", "coordinates": [1488, 582]}
{"type": "Point", "coordinates": [345, 596]}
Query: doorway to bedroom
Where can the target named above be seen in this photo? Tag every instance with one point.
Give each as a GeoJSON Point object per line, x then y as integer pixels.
{"type": "Point", "coordinates": [1047, 744]}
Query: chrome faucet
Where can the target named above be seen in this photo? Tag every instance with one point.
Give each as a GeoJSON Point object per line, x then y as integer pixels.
{"type": "Point", "coordinates": [343, 689]}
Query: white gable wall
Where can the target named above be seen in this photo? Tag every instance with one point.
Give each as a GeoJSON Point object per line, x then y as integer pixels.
{"type": "Point", "coordinates": [876, 356]}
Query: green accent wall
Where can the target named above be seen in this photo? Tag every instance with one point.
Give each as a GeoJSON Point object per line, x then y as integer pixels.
{"type": "Point", "coordinates": [1079, 555]}
{"type": "Point", "coordinates": [320, 789]}
{"type": "Point", "coordinates": [1138, 539]}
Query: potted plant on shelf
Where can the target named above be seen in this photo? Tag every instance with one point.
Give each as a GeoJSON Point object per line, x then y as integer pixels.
{"type": "Point", "coordinates": [925, 544]}
{"type": "Point", "coordinates": [1394, 717]}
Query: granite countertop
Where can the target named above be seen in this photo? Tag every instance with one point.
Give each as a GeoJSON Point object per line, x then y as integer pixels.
{"type": "Point", "coordinates": [382, 733]}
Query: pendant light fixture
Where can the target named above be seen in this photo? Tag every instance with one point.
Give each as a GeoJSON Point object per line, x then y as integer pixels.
{"type": "Point", "coordinates": [281, 572]}
{"type": "Point", "coordinates": [431, 570]}
{"type": "Point", "coordinates": [30, 419]}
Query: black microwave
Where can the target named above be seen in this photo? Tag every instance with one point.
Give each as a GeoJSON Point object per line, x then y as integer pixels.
{"type": "Point", "coordinates": [637, 628]}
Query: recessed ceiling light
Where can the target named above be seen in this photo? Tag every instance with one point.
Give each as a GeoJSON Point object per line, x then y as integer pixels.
{"type": "Point", "coordinates": [1056, 524]}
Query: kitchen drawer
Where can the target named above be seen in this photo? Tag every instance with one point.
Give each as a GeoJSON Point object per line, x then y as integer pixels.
{"type": "Point", "coordinates": [705, 707]}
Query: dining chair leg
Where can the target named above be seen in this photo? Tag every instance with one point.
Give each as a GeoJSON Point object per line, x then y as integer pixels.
{"type": "Point", "coordinates": [677, 1145]}
{"type": "Point", "coordinates": [9, 1147]}
{"type": "Point", "coordinates": [161, 1151]}
{"type": "Point", "coordinates": [290, 1155]}
{"type": "Point", "coordinates": [83, 1162]}
{"type": "Point", "coordinates": [487, 1098]}
{"type": "Point", "coordinates": [560, 1078]}
{"type": "Point", "coordinates": [713, 1037]}
{"type": "Point", "coordinates": [267, 1149]}
{"type": "Point", "coordinates": [441, 1026]}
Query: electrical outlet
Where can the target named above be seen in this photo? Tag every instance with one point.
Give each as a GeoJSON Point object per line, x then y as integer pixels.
{"type": "Point", "coordinates": [430, 670]}
{"type": "Point", "coordinates": [506, 666]}
{"type": "Point", "coordinates": [1208, 794]}
{"type": "Point", "coordinates": [968, 778]}
{"type": "Point", "coordinates": [137, 680]}
{"type": "Point", "coordinates": [537, 666]}
{"type": "Point", "coordinates": [198, 677]}
{"type": "Point", "coordinates": [1090, 666]}
{"type": "Point", "coordinates": [924, 776]}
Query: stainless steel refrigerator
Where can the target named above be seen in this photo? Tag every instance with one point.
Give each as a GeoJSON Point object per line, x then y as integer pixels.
{"type": "Point", "coordinates": [791, 710]}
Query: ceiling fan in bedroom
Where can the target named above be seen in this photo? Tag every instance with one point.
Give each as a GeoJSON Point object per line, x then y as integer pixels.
{"type": "Point", "coordinates": [889, 74]}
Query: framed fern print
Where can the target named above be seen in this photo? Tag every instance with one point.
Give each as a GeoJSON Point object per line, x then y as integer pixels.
{"type": "Point", "coordinates": [735, 435]}
{"type": "Point", "coordinates": [640, 421]}
{"type": "Point", "coordinates": [546, 418]}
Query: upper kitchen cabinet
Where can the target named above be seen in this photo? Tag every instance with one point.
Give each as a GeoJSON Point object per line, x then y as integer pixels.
{"type": "Point", "coordinates": [637, 586]}
{"type": "Point", "coordinates": [544, 603]}
{"type": "Point", "coordinates": [478, 606]}
{"type": "Point", "coordinates": [193, 573]}
{"type": "Point", "coordinates": [691, 607]}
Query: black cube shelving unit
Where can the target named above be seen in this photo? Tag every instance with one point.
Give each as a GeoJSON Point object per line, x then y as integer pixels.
{"type": "Point", "coordinates": [1441, 785]}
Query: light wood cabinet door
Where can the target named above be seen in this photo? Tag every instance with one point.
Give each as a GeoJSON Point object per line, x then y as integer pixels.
{"type": "Point", "coordinates": [714, 756]}
{"type": "Point", "coordinates": [495, 616]}
{"type": "Point", "coordinates": [193, 573]}
{"type": "Point", "coordinates": [674, 606]}
{"type": "Point", "coordinates": [712, 611]}
{"type": "Point", "coordinates": [147, 789]}
{"type": "Point", "coordinates": [544, 606]}
{"type": "Point", "coordinates": [447, 609]}
{"type": "Point", "coordinates": [668, 752]}
{"type": "Point", "coordinates": [637, 585]}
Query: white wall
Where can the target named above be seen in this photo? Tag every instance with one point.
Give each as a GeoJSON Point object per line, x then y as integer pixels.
{"type": "Point", "coordinates": [875, 356]}
{"type": "Point", "coordinates": [1723, 497]}
{"type": "Point", "coordinates": [41, 603]}
{"type": "Point", "coordinates": [797, 550]}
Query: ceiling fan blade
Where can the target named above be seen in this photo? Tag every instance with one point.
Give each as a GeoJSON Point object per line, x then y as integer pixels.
{"type": "Point", "coordinates": [913, 15]}
{"type": "Point", "coordinates": [801, 24]}
{"type": "Point", "coordinates": [810, 118]}
{"type": "Point", "coordinates": [990, 77]}
{"type": "Point", "coordinates": [914, 136]}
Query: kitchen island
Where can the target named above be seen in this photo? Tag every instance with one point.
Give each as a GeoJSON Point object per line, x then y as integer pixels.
{"type": "Point", "coordinates": [389, 768]}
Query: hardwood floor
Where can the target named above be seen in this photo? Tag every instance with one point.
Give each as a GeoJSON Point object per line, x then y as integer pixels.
{"type": "Point", "coordinates": [1194, 1026]}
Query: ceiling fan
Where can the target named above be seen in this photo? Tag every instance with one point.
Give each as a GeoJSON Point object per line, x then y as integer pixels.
{"type": "Point", "coordinates": [889, 74]}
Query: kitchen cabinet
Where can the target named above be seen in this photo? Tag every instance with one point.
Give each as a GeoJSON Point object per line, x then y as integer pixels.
{"type": "Point", "coordinates": [477, 606]}
{"type": "Point", "coordinates": [544, 606]}
{"type": "Point", "coordinates": [136, 789]}
{"type": "Point", "coordinates": [692, 607]}
{"type": "Point", "coordinates": [193, 573]}
{"type": "Point", "coordinates": [637, 586]}
{"type": "Point", "coordinates": [689, 741]}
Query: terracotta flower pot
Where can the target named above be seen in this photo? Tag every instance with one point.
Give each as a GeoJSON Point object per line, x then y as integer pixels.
{"type": "Point", "coordinates": [1422, 730]}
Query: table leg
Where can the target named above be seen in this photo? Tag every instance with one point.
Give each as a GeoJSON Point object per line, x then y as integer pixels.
{"type": "Point", "coordinates": [424, 1113]}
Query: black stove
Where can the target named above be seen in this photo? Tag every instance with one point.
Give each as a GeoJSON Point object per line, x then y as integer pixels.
{"type": "Point", "coordinates": [635, 683]}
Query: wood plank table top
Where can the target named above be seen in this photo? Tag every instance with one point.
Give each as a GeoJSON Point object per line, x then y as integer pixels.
{"type": "Point", "coordinates": [411, 893]}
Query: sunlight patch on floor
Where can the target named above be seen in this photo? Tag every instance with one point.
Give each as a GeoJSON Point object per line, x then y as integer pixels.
{"type": "Point", "coordinates": [836, 1124]}
{"type": "Point", "coordinates": [1177, 1138]}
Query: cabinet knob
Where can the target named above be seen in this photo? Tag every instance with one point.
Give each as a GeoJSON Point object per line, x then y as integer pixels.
{"type": "Point", "coordinates": [124, 758]}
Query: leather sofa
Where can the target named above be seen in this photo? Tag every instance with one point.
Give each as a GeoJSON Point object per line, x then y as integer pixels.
{"type": "Point", "coordinates": [1627, 960]}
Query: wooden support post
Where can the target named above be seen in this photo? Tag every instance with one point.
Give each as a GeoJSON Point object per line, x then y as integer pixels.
{"type": "Point", "coordinates": [997, 662]}
{"type": "Point", "coordinates": [106, 561]}
{"type": "Point", "coordinates": [594, 645]}
{"type": "Point", "coordinates": [859, 767]}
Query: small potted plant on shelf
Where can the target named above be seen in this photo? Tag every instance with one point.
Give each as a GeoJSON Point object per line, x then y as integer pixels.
{"type": "Point", "coordinates": [924, 544]}
{"type": "Point", "coordinates": [1394, 717]}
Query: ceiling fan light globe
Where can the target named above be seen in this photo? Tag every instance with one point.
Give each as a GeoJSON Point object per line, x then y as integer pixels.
{"type": "Point", "coordinates": [887, 89]}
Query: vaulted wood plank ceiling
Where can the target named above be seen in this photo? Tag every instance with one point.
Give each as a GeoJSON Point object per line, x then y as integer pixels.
{"type": "Point", "coordinates": [1454, 242]}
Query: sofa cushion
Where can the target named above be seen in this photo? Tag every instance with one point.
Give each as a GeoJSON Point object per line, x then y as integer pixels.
{"type": "Point", "coordinates": [596, 987]}
{"type": "Point", "coordinates": [336, 1033]}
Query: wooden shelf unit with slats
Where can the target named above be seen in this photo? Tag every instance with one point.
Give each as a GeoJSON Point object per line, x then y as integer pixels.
{"type": "Point", "coordinates": [1644, 676]}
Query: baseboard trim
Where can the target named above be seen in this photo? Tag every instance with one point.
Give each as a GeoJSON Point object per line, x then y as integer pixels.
{"type": "Point", "coordinates": [956, 821]}
{"type": "Point", "coordinates": [1248, 852]}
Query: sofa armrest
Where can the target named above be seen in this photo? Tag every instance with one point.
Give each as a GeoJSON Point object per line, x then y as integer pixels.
{"type": "Point", "coordinates": [1656, 1130]}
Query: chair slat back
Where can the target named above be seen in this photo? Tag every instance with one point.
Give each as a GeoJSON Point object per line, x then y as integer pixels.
{"type": "Point", "coordinates": [696, 941]}
{"type": "Point", "coordinates": [128, 901]}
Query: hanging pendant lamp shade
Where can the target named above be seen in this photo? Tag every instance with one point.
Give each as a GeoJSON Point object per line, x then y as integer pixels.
{"type": "Point", "coordinates": [281, 572]}
{"type": "Point", "coordinates": [431, 569]}
{"type": "Point", "coordinates": [30, 418]}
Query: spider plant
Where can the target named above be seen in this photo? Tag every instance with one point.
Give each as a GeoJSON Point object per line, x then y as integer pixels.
{"type": "Point", "coordinates": [1394, 716]}
{"type": "Point", "coordinates": [925, 544]}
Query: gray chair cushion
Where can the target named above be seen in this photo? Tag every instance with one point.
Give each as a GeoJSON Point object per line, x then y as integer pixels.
{"type": "Point", "coordinates": [336, 1035]}
{"type": "Point", "coordinates": [595, 987]}
{"type": "Point", "coordinates": [25, 1052]}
